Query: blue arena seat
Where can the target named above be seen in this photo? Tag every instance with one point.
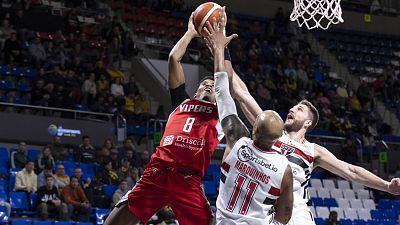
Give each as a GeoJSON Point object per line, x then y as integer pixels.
{"type": "Point", "coordinates": [319, 221]}
{"type": "Point", "coordinates": [21, 222]}
{"type": "Point", "coordinates": [18, 200]}
{"type": "Point", "coordinates": [40, 222]}
{"type": "Point", "coordinates": [359, 222]}
{"type": "Point", "coordinates": [373, 222]}
{"type": "Point", "coordinates": [100, 215]}
{"type": "Point", "coordinates": [330, 202]}
{"type": "Point", "coordinates": [110, 189]}
{"type": "Point", "coordinates": [316, 201]}
{"type": "Point", "coordinates": [83, 223]}
{"type": "Point", "coordinates": [3, 185]}
{"type": "Point", "coordinates": [346, 222]}
{"type": "Point", "coordinates": [87, 169]}
{"type": "Point", "coordinates": [384, 204]}
{"type": "Point", "coordinates": [3, 196]}
{"type": "Point", "coordinates": [210, 188]}
{"type": "Point", "coordinates": [33, 154]}
{"type": "Point", "coordinates": [11, 180]}
{"type": "Point", "coordinates": [3, 214]}
{"type": "Point", "coordinates": [390, 214]}
{"type": "Point", "coordinates": [377, 214]}
{"type": "Point", "coordinates": [62, 223]}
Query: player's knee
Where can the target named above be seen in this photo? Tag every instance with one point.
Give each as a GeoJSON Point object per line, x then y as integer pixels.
{"type": "Point", "coordinates": [121, 216]}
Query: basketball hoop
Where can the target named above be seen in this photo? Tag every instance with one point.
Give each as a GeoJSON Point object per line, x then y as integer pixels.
{"type": "Point", "coordinates": [317, 13]}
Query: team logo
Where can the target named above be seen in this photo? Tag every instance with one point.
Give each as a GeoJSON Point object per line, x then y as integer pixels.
{"type": "Point", "coordinates": [168, 140]}
{"type": "Point", "coordinates": [286, 149]}
{"type": "Point", "coordinates": [245, 153]}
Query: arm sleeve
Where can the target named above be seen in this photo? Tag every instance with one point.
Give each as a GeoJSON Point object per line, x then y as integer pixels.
{"type": "Point", "coordinates": [226, 104]}
{"type": "Point", "coordinates": [68, 199]}
{"type": "Point", "coordinates": [18, 183]}
{"type": "Point", "coordinates": [178, 95]}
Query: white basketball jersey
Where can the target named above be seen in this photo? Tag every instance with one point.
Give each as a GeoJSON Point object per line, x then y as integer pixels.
{"type": "Point", "coordinates": [250, 184]}
{"type": "Point", "coordinates": [300, 156]}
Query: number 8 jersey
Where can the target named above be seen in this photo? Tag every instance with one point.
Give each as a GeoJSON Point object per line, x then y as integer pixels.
{"type": "Point", "coordinates": [191, 135]}
{"type": "Point", "coordinates": [250, 184]}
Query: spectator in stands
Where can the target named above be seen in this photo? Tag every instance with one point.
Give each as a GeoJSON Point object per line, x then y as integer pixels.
{"type": "Point", "coordinates": [131, 86]}
{"type": "Point", "coordinates": [12, 50]}
{"type": "Point", "coordinates": [117, 89]}
{"type": "Point", "coordinates": [349, 151]}
{"type": "Point", "coordinates": [114, 71]}
{"type": "Point", "coordinates": [102, 84]}
{"type": "Point", "coordinates": [58, 150]}
{"type": "Point", "coordinates": [333, 219]}
{"type": "Point", "coordinates": [144, 159]}
{"type": "Point", "coordinates": [365, 94]}
{"type": "Point", "coordinates": [85, 152]}
{"type": "Point", "coordinates": [79, 208]}
{"type": "Point", "coordinates": [86, 184]}
{"type": "Point", "coordinates": [114, 52]}
{"type": "Point", "coordinates": [108, 175]}
{"type": "Point", "coordinates": [5, 32]}
{"type": "Point", "coordinates": [105, 151]}
{"type": "Point", "coordinates": [89, 90]}
{"type": "Point", "coordinates": [121, 191]}
{"type": "Point", "coordinates": [47, 171]}
{"type": "Point", "coordinates": [37, 52]}
{"type": "Point", "coordinates": [61, 177]}
{"type": "Point", "coordinates": [26, 180]}
{"type": "Point", "coordinates": [43, 159]}
{"type": "Point", "coordinates": [19, 157]}
{"type": "Point", "coordinates": [114, 158]}
{"type": "Point", "coordinates": [48, 200]}
{"type": "Point", "coordinates": [133, 177]}
{"type": "Point", "coordinates": [123, 170]}
{"type": "Point", "coordinates": [342, 91]}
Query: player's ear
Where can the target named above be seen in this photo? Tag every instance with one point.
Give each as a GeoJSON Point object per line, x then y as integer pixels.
{"type": "Point", "coordinates": [307, 124]}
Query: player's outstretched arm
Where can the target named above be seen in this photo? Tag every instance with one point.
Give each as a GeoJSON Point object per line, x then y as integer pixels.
{"type": "Point", "coordinates": [249, 106]}
{"type": "Point", "coordinates": [233, 127]}
{"type": "Point", "coordinates": [328, 161]}
{"type": "Point", "coordinates": [284, 204]}
{"type": "Point", "coordinates": [176, 76]}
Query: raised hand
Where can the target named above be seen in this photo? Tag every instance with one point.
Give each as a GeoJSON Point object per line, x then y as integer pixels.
{"type": "Point", "coordinates": [191, 29]}
{"type": "Point", "coordinates": [394, 186]}
{"type": "Point", "coordinates": [215, 33]}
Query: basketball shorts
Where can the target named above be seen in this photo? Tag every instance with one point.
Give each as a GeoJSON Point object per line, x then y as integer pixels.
{"type": "Point", "coordinates": [302, 216]}
{"type": "Point", "coordinates": [159, 187]}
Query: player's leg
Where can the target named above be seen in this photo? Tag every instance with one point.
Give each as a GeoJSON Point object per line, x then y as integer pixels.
{"type": "Point", "coordinates": [190, 204]}
{"type": "Point", "coordinates": [148, 196]}
{"type": "Point", "coordinates": [121, 215]}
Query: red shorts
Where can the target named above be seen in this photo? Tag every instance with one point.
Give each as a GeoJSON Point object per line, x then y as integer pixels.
{"type": "Point", "coordinates": [159, 187]}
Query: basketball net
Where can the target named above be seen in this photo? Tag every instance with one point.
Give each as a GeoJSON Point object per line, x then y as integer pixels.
{"type": "Point", "coordinates": [317, 13]}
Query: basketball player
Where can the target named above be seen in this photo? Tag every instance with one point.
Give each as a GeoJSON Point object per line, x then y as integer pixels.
{"type": "Point", "coordinates": [305, 156]}
{"type": "Point", "coordinates": [173, 176]}
{"type": "Point", "coordinates": [254, 176]}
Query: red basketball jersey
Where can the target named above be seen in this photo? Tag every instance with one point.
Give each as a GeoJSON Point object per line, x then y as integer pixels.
{"type": "Point", "coordinates": [190, 137]}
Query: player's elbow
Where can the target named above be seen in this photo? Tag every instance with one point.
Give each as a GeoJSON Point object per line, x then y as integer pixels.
{"type": "Point", "coordinates": [173, 58]}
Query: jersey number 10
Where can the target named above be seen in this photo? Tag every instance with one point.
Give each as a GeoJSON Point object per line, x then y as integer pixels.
{"type": "Point", "coordinates": [251, 189]}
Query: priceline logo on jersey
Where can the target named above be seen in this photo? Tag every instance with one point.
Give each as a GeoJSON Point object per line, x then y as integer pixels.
{"type": "Point", "coordinates": [245, 154]}
{"type": "Point", "coordinates": [184, 142]}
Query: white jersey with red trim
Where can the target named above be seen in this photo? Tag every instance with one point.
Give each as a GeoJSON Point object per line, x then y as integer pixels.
{"type": "Point", "coordinates": [250, 184]}
{"type": "Point", "coordinates": [300, 157]}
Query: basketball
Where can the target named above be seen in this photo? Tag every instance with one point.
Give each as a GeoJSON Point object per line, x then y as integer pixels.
{"type": "Point", "coordinates": [206, 12]}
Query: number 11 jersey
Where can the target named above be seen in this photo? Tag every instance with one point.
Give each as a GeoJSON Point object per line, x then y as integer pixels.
{"type": "Point", "coordinates": [250, 184]}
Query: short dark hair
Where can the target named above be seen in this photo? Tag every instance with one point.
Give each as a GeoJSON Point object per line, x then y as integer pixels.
{"type": "Point", "coordinates": [85, 136]}
{"type": "Point", "coordinates": [205, 78]}
{"type": "Point", "coordinates": [314, 113]}
{"type": "Point", "coordinates": [74, 177]}
{"type": "Point", "coordinates": [49, 176]}
{"type": "Point", "coordinates": [29, 161]}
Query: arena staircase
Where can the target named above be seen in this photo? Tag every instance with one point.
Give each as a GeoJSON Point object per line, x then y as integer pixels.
{"type": "Point", "coordinates": [342, 71]}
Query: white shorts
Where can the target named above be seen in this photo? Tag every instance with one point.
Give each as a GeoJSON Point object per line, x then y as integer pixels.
{"type": "Point", "coordinates": [302, 216]}
{"type": "Point", "coordinates": [124, 199]}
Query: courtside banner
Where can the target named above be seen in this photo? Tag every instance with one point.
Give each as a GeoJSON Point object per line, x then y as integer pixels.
{"type": "Point", "coordinates": [42, 129]}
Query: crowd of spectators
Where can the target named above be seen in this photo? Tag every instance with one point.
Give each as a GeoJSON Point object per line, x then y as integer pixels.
{"type": "Point", "coordinates": [79, 66]}
{"type": "Point", "coordinates": [71, 196]}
